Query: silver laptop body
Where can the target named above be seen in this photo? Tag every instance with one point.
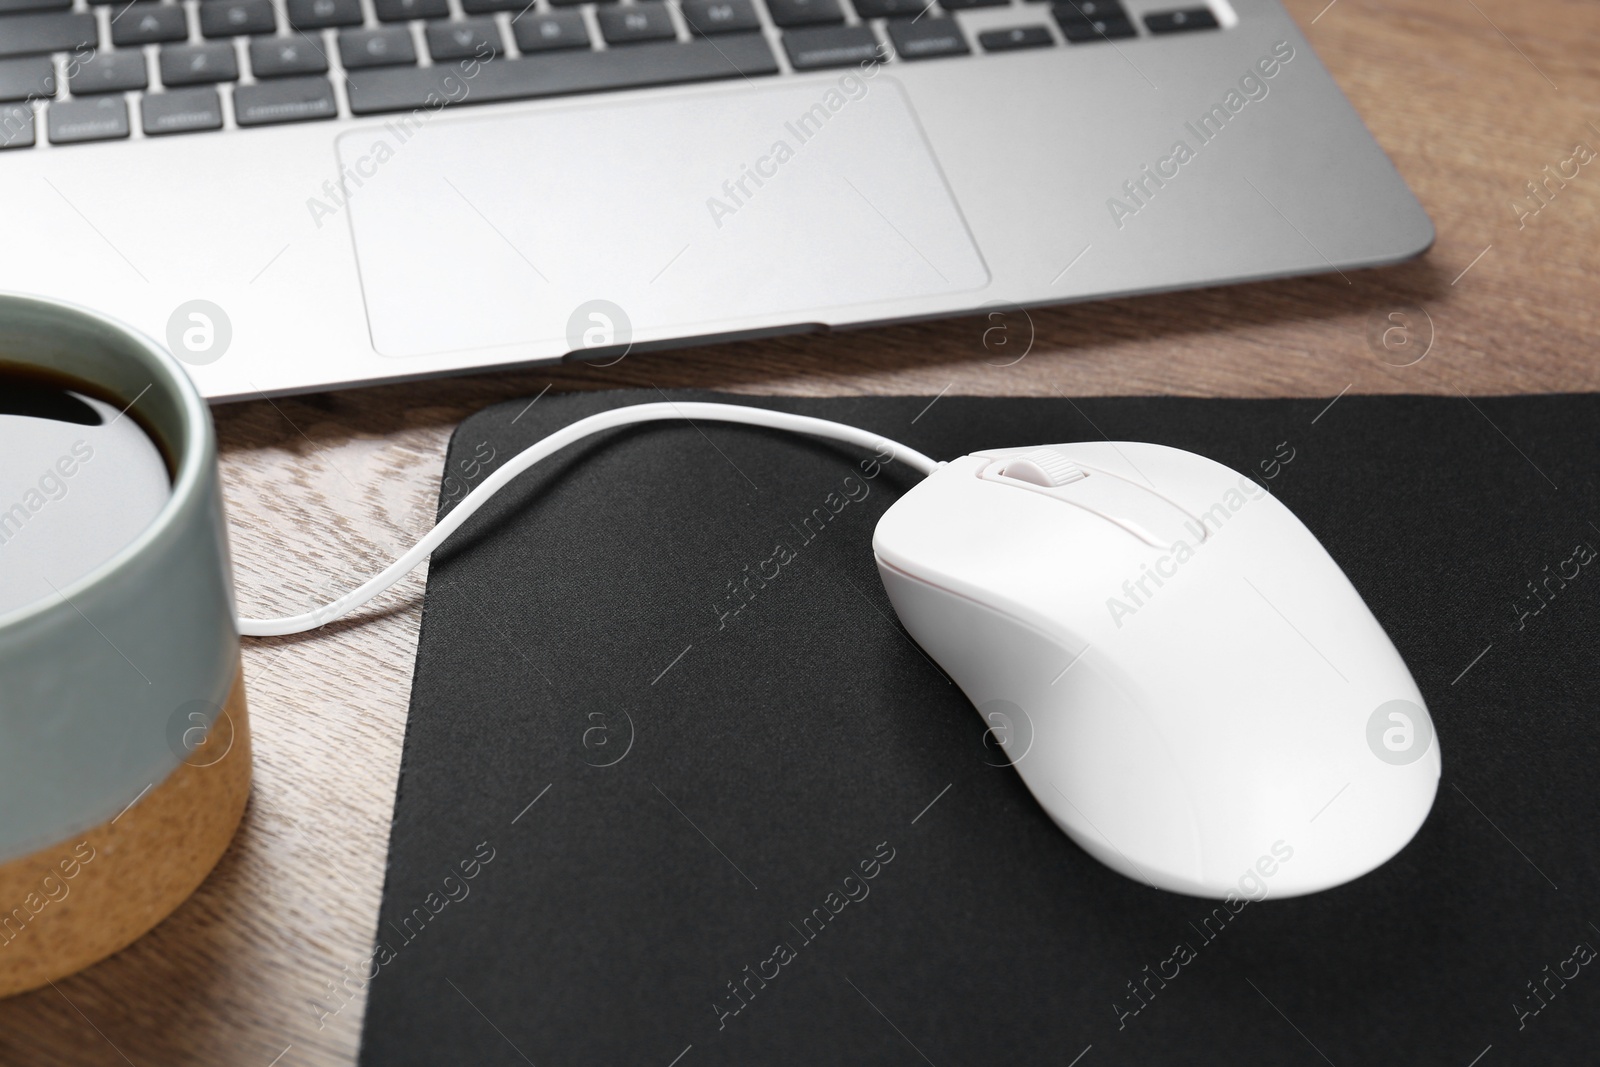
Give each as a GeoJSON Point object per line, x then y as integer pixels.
{"type": "Point", "coordinates": [651, 185]}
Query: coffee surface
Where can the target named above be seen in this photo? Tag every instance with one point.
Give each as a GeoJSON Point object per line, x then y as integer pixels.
{"type": "Point", "coordinates": [79, 481]}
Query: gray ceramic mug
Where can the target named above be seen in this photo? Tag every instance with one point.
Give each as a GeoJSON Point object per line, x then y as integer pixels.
{"type": "Point", "coordinates": [124, 746]}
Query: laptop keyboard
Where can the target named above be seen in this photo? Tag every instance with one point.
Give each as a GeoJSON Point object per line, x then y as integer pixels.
{"type": "Point", "coordinates": [72, 72]}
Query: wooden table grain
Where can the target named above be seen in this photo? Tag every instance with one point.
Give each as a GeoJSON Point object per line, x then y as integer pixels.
{"type": "Point", "coordinates": [261, 967]}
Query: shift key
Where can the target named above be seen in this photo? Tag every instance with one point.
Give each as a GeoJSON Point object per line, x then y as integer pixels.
{"type": "Point", "coordinates": [26, 35]}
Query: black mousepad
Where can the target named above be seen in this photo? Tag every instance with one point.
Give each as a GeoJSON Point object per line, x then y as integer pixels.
{"type": "Point", "coordinates": [678, 790]}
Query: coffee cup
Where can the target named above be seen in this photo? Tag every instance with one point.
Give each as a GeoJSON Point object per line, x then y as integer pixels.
{"type": "Point", "coordinates": [124, 738]}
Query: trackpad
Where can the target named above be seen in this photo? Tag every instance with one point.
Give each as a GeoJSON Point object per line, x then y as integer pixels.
{"type": "Point", "coordinates": [695, 214]}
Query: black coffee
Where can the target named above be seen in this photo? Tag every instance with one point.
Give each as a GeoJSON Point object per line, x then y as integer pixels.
{"type": "Point", "coordinates": [79, 481]}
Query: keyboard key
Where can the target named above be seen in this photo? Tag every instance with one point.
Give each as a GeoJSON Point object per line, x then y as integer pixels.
{"type": "Point", "coordinates": [832, 46]}
{"type": "Point", "coordinates": [484, 7]}
{"type": "Point", "coordinates": [927, 38]}
{"type": "Point", "coordinates": [24, 79]}
{"type": "Point", "coordinates": [1098, 30]}
{"type": "Point", "coordinates": [16, 126]}
{"type": "Point", "coordinates": [572, 3]}
{"type": "Point", "coordinates": [149, 24]}
{"type": "Point", "coordinates": [225, 18]}
{"type": "Point", "coordinates": [545, 33]}
{"type": "Point", "coordinates": [1089, 10]}
{"type": "Point", "coordinates": [376, 48]}
{"type": "Point", "coordinates": [1087, 21]}
{"type": "Point", "coordinates": [27, 35]}
{"type": "Point", "coordinates": [962, 5]}
{"type": "Point", "coordinates": [198, 64]}
{"type": "Point", "coordinates": [320, 14]}
{"type": "Point", "coordinates": [891, 9]}
{"type": "Point", "coordinates": [1014, 38]}
{"type": "Point", "coordinates": [286, 100]}
{"type": "Point", "coordinates": [804, 12]}
{"type": "Point", "coordinates": [181, 111]}
{"type": "Point", "coordinates": [400, 10]}
{"type": "Point", "coordinates": [278, 57]}
{"type": "Point", "coordinates": [467, 39]}
{"type": "Point", "coordinates": [108, 72]}
{"type": "Point", "coordinates": [8, 6]}
{"type": "Point", "coordinates": [99, 119]}
{"type": "Point", "coordinates": [647, 21]}
{"type": "Point", "coordinates": [561, 73]}
{"type": "Point", "coordinates": [706, 17]}
{"type": "Point", "coordinates": [1193, 18]}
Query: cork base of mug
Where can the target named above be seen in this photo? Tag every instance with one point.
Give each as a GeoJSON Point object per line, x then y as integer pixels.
{"type": "Point", "coordinates": [76, 902]}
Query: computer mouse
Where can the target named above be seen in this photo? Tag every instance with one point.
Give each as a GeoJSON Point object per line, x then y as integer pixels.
{"type": "Point", "coordinates": [1183, 677]}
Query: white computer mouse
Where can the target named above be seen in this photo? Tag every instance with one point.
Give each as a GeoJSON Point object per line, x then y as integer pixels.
{"type": "Point", "coordinates": [1184, 678]}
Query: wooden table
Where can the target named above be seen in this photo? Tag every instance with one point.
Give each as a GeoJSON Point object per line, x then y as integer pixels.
{"type": "Point", "coordinates": [335, 485]}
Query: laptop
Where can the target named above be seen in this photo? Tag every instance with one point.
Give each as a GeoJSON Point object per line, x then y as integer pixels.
{"type": "Point", "coordinates": [300, 195]}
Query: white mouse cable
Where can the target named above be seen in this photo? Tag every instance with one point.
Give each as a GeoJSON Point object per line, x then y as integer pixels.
{"type": "Point", "coordinates": [605, 420]}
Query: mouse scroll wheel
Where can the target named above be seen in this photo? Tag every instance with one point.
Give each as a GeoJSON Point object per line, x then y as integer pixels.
{"type": "Point", "coordinates": [1043, 466]}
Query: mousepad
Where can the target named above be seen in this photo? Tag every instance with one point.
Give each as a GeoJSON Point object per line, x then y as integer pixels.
{"type": "Point", "coordinates": [677, 789]}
